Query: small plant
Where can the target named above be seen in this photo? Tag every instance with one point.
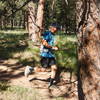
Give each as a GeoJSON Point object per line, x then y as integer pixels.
{"type": "Point", "coordinates": [3, 86]}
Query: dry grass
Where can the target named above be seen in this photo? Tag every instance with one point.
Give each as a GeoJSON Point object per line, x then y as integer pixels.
{"type": "Point", "coordinates": [19, 93]}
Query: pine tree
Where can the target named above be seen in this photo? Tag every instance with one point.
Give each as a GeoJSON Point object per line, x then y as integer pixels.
{"type": "Point", "coordinates": [88, 25]}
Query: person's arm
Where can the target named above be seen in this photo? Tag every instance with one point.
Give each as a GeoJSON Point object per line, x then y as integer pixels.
{"type": "Point", "coordinates": [45, 43]}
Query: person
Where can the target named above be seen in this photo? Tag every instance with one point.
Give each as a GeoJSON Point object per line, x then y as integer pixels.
{"type": "Point", "coordinates": [47, 55]}
{"type": "Point", "coordinates": [46, 52]}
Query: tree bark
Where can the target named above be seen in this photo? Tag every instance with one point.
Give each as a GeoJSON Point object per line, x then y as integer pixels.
{"type": "Point", "coordinates": [35, 23]}
{"type": "Point", "coordinates": [88, 25]}
{"type": "Point", "coordinates": [31, 21]}
{"type": "Point", "coordinates": [24, 19]}
{"type": "Point", "coordinates": [40, 16]}
{"type": "Point", "coordinates": [1, 23]}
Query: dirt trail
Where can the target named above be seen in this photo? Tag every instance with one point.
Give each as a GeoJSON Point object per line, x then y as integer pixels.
{"type": "Point", "coordinates": [12, 71]}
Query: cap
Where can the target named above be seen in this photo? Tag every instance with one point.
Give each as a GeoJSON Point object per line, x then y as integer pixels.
{"type": "Point", "coordinates": [55, 25]}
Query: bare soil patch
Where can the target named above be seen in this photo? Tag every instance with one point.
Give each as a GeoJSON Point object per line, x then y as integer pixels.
{"type": "Point", "coordinates": [65, 86]}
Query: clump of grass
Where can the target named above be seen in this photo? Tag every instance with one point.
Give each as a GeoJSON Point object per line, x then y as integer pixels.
{"type": "Point", "coordinates": [19, 93]}
{"type": "Point", "coordinates": [3, 86]}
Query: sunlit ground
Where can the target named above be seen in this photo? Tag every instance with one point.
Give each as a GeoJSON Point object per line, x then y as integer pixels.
{"type": "Point", "coordinates": [14, 44]}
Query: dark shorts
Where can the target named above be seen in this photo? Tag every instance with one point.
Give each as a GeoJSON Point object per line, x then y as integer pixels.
{"type": "Point", "coordinates": [47, 62]}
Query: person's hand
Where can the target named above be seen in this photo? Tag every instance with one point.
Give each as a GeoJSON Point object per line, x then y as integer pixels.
{"type": "Point", "coordinates": [44, 42]}
{"type": "Point", "coordinates": [55, 48]}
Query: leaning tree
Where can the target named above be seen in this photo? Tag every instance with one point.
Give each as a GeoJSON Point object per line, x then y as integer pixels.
{"type": "Point", "coordinates": [88, 28]}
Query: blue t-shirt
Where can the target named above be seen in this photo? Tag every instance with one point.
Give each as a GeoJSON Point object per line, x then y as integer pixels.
{"type": "Point", "coordinates": [44, 51]}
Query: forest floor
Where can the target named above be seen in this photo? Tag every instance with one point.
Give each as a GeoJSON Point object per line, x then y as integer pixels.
{"type": "Point", "coordinates": [15, 55]}
{"type": "Point", "coordinates": [13, 73]}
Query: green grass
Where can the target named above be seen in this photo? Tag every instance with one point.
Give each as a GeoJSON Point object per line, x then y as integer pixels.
{"type": "Point", "coordinates": [21, 93]}
{"type": "Point", "coordinates": [3, 86]}
{"type": "Point", "coordinates": [13, 43]}
{"type": "Point", "coordinates": [14, 46]}
{"type": "Point", "coordinates": [18, 93]}
{"type": "Point", "coordinates": [9, 92]}
{"type": "Point", "coordinates": [10, 43]}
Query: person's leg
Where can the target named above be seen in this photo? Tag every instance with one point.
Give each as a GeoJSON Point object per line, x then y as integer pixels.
{"type": "Point", "coordinates": [44, 64]}
{"type": "Point", "coordinates": [52, 63]}
{"type": "Point", "coordinates": [53, 71]}
{"type": "Point", "coordinates": [29, 69]}
{"type": "Point", "coordinates": [39, 69]}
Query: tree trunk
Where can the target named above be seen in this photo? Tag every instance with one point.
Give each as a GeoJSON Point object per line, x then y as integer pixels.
{"type": "Point", "coordinates": [88, 25]}
{"type": "Point", "coordinates": [12, 23]}
{"type": "Point", "coordinates": [52, 9]}
{"type": "Point", "coordinates": [35, 23]}
{"type": "Point", "coordinates": [40, 16]}
{"type": "Point", "coordinates": [24, 19]}
{"type": "Point", "coordinates": [20, 23]}
{"type": "Point", "coordinates": [1, 23]}
{"type": "Point", "coordinates": [31, 21]}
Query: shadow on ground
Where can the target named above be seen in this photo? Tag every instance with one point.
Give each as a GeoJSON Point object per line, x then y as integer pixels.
{"type": "Point", "coordinates": [65, 85]}
{"type": "Point", "coordinates": [11, 43]}
{"type": "Point", "coordinates": [13, 69]}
